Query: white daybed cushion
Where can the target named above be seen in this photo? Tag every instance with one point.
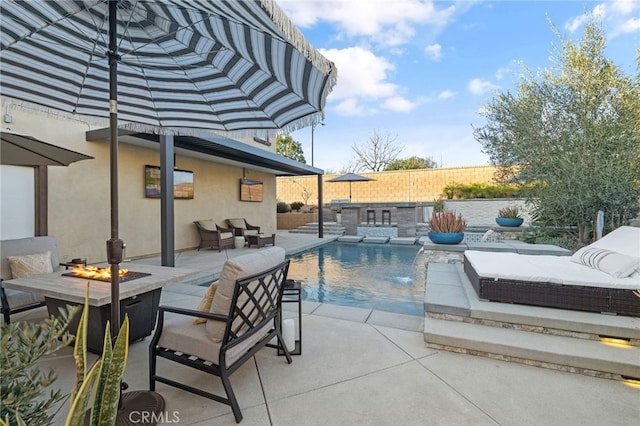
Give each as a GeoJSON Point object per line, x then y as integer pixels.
{"type": "Point", "coordinates": [625, 240]}
{"type": "Point", "coordinates": [551, 269]}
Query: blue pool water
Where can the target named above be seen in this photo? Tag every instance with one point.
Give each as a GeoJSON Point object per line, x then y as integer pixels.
{"type": "Point", "coordinates": [374, 276]}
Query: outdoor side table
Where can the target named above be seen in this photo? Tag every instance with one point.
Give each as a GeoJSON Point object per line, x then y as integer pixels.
{"type": "Point", "coordinates": [292, 293]}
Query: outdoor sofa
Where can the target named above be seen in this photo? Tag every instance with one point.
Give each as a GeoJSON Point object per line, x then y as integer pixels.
{"type": "Point", "coordinates": [601, 277]}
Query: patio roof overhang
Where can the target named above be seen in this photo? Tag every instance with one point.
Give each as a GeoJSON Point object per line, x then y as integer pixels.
{"type": "Point", "coordinates": [218, 149]}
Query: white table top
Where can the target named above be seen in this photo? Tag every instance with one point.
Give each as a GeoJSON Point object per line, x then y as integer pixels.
{"type": "Point", "coordinates": [73, 289]}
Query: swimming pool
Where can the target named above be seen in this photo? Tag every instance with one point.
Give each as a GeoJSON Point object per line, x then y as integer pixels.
{"type": "Point", "coordinates": [374, 276]}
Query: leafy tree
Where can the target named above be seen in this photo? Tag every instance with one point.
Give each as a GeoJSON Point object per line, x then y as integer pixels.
{"type": "Point", "coordinates": [411, 163]}
{"type": "Point", "coordinates": [287, 147]}
{"type": "Point", "coordinates": [575, 130]}
{"type": "Point", "coordinates": [377, 154]}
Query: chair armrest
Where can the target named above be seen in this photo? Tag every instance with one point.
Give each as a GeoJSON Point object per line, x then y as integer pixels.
{"type": "Point", "coordinates": [253, 227]}
{"type": "Point", "coordinates": [192, 313]}
{"type": "Point", "coordinates": [221, 229]}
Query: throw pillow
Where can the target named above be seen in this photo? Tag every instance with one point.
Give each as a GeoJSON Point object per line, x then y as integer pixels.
{"type": "Point", "coordinates": [208, 224]}
{"type": "Point", "coordinates": [205, 303]}
{"type": "Point", "coordinates": [30, 264]}
{"type": "Point", "coordinates": [237, 223]}
{"type": "Point", "coordinates": [616, 264]}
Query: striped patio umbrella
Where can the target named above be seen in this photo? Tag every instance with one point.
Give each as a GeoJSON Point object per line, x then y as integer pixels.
{"type": "Point", "coordinates": [186, 67]}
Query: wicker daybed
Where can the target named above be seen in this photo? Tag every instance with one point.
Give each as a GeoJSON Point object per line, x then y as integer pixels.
{"type": "Point", "coordinates": [557, 281]}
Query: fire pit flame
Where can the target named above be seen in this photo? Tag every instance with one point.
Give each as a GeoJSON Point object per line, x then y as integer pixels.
{"type": "Point", "coordinates": [95, 273]}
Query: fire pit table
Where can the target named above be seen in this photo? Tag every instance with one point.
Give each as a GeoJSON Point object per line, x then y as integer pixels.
{"type": "Point", "coordinates": [139, 298]}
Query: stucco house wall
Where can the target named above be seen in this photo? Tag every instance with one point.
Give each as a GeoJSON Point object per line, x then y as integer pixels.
{"type": "Point", "coordinates": [79, 195]}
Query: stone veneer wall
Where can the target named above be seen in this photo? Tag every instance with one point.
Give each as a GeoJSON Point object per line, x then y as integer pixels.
{"type": "Point", "coordinates": [423, 185]}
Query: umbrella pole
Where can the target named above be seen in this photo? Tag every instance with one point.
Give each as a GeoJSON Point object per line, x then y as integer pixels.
{"type": "Point", "coordinates": [143, 403]}
{"type": "Point", "coordinates": [114, 245]}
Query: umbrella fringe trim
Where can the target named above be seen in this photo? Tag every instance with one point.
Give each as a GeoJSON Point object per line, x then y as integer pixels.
{"type": "Point", "coordinates": [93, 121]}
{"type": "Point", "coordinates": [296, 38]}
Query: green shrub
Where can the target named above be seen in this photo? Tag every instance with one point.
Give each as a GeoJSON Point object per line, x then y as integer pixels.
{"type": "Point", "coordinates": [282, 207]}
{"type": "Point", "coordinates": [22, 384]}
{"type": "Point", "coordinates": [482, 190]}
{"type": "Point", "coordinates": [556, 237]}
{"type": "Point", "coordinates": [297, 205]}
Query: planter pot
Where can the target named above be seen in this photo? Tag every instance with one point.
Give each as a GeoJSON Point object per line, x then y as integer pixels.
{"type": "Point", "coordinates": [339, 218]}
{"type": "Point", "coordinates": [446, 237]}
{"type": "Point", "coordinates": [509, 221]}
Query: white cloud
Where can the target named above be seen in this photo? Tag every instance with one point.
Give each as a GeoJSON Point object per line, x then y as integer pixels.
{"type": "Point", "coordinates": [434, 51]}
{"type": "Point", "coordinates": [399, 104]}
{"type": "Point", "coordinates": [630, 26]}
{"type": "Point", "coordinates": [446, 94]}
{"type": "Point", "coordinates": [624, 7]}
{"type": "Point", "coordinates": [360, 73]}
{"type": "Point", "coordinates": [389, 23]}
{"type": "Point", "coordinates": [618, 17]}
{"type": "Point", "coordinates": [478, 86]}
{"type": "Point", "coordinates": [350, 108]}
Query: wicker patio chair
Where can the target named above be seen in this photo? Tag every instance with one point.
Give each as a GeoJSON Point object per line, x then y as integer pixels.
{"type": "Point", "coordinates": [213, 237]}
{"type": "Point", "coordinates": [241, 227]}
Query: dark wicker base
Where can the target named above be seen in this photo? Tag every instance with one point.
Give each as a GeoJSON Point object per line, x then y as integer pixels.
{"type": "Point", "coordinates": [574, 297]}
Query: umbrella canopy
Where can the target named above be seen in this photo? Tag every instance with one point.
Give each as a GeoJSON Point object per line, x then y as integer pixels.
{"type": "Point", "coordinates": [222, 66]}
{"type": "Point", "coordinates": [350, 177]}
{"type": "Point", "coordinates": [22, 150]}
{"type": "Point", "coordinates": [186, 67]}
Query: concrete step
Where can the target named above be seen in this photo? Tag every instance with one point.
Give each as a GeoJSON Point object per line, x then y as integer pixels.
{"type": "Point", "coordinates": [329, 228]}
{"type": "Point", "coordinates": [567, 353]}
{"type": "Point", "coordinates": [457, 320]}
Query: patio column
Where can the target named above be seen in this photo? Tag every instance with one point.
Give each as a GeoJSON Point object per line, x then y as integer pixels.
{"type": "Point", "coordinates": [406, 219]}
{"type": "Point", "coordinates": [320, 213]}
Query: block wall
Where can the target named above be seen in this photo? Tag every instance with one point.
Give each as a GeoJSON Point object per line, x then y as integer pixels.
{"type": "Point", "coordinates": [423, 185]}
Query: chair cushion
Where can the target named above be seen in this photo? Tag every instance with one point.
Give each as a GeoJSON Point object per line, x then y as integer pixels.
{"type": "Point", "coordinates": [616, 264]}
{"type": "Point", "coordinates": [250, 232]}
{"type": "Point", "coordinates": [205, 303]}
{"type": "Point", "coordinates": [233, 270]}
{"type": "Point", "coordinates": [226, 235]}
{"type": "Point", "coordinates": [30, 264]}
{"type": "Point", "coordinates": [237, 223]}
{"type": "Point", "coordinates": [180, 335]}
{"type": "Point", "coordinates": [208, 224]}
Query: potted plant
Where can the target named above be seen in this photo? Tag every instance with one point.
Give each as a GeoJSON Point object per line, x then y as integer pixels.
{"type": "Point", "coordinates": [446, 227]}
{"type": "Point", "coordinates": [509, 216]}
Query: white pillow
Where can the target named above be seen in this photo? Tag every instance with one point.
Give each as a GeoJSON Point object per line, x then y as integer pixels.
{"type": "Point", "coordinates": [30, 264]}
{"type": "Point", "coordinates": [616, 264]}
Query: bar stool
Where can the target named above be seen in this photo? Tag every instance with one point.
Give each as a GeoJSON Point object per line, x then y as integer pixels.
{"type": "Point", "coordinates": [386, 215]}
{"type": "Point", "coordinates": [371, 216]}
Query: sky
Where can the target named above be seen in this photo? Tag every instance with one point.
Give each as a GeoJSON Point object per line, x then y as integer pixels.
{"type": "Point", "coordinates": [418, 72]}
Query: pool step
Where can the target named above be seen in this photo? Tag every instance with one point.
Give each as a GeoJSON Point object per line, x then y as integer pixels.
{"type": "Point", "coordinates": [457, 320]}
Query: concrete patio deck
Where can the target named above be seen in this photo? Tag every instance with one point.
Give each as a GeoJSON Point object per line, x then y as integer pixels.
{"type": "Point", "coordinates": [361, 367]}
